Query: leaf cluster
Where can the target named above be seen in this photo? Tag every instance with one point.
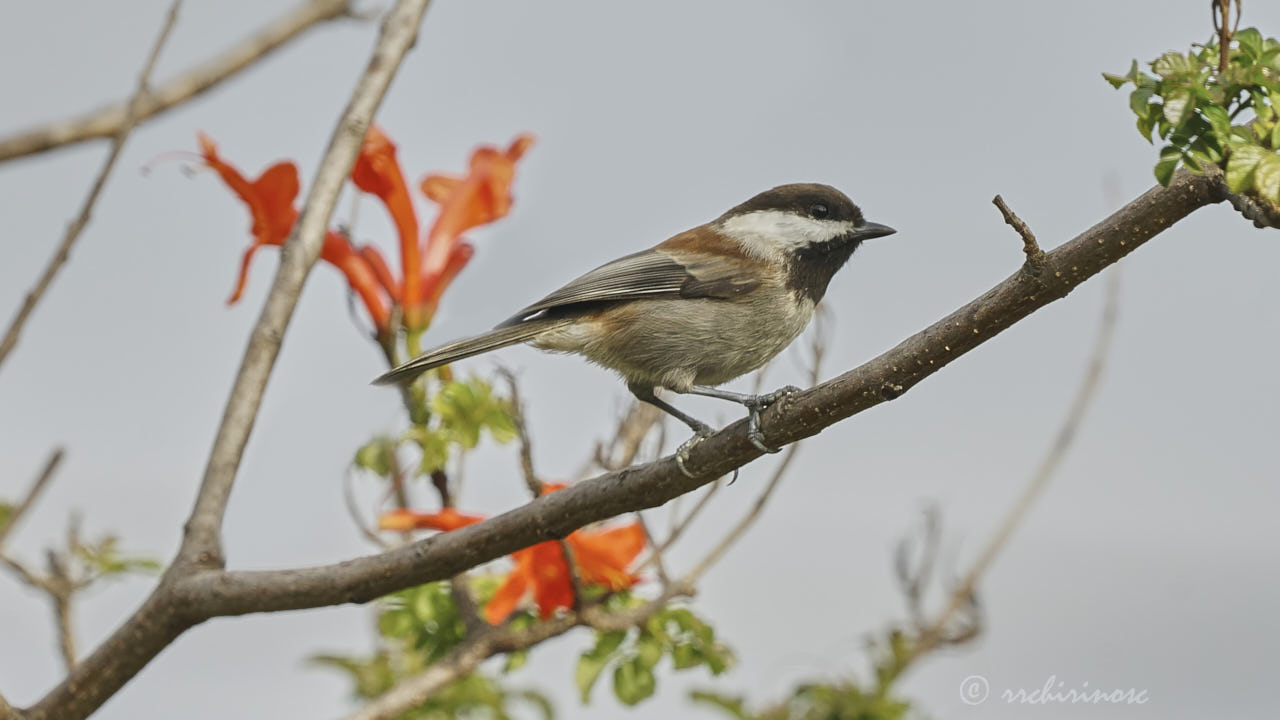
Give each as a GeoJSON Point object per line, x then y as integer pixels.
{"type": "Point", "coordinates": [460, 411]}
{"type": "Point", "coordinates": [673, 632]}
{"type": "Point", "coordinates": [1206, 117]}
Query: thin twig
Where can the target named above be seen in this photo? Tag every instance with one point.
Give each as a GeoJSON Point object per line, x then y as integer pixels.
{"type": "Point", "coordinates": [682, 525]}
{"type": "Point", "coordinates": [963, 593]}
{"type": "Point", "coordinates": [353, 511]}
{"type": "Point", "coordinates": [1035, 256]}
{"type": "Point", "coordinates": [655, 554]}
{"type": "Point", "coordinates": [107, 121]}
{"type": "Point", "coordinates": [522, 432]}
{"type": "Point", "coordinates": [63, 252]}
{"type": "Point", "coordinates": [46, 474]}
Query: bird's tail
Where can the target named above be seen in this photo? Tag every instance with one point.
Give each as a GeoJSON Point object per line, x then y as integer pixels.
{"type": "Point", "coordinates": [467, 347]}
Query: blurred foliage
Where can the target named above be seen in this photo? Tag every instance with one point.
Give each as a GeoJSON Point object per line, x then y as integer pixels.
{"type": "Point", "coordinates": [474, 696]}
{"type": "Point", "coordinates": [673, 632]}
{"type": "Point", "coordinates": [5, 511]}
{"type": "Point", "coordinates": [844, 699]}
{"type": "Point", "coordinates": [453, 420]}
{"type": "Point", "coordinates": [1194, 108]}
{"type": "Point", "coordinates": [105, 559]}
{"type": "Point", "coordinates": [418, 627]}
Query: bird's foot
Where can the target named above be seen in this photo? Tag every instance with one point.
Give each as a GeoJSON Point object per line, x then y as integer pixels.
{"type": "Point", "coordinates": [757, 404]}
{"type": "Point", "coordinates": [700, 433]}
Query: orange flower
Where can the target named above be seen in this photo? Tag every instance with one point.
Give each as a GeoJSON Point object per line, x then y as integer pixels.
{"type": "Point", "coordinates": [270, 199]}
{"type": "Point", "coordinates": [602, 557]}
{"type": "Point", "coordinates": [447, 519]}
{"type": "Point", "coordinates": [377, 172]}
{"type": "Point", "coordinates": [483, 196]}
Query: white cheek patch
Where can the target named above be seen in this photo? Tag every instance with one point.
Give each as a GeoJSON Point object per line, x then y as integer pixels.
{"type": "Point", "coordinates": [770, 233]}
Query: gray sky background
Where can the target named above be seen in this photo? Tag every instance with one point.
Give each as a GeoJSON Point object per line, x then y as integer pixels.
{"type": "Point", "coordinates": [1150, 563]}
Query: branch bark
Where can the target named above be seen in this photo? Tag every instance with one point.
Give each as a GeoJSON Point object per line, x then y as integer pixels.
{"type": "Point", "coordinates": [107, 121]}
{"type": "Point", "coordinates": [197, 589]}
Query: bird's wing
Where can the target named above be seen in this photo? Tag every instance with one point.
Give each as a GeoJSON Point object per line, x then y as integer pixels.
{"type": "Point", "coordinates": [650, 274]}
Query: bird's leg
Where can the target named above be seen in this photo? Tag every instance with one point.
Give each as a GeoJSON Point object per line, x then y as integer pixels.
{"type": "Point", "coordinates": [700, 429]}
{"type": "Point", "coordinates": [755, 405]}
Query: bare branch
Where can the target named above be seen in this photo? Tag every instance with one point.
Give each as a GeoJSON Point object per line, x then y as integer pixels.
{"type": "Point", "coordinates": [522, 432]}
{"type": "Point", "coordinates": [77, 226]}
{"type": "Point", "coordinates": [46, 474]}
{"type": "Point", "coordinates": [7, 711]}
{"type": "Point", "coordinates": [1035, 256]}
{"type": "Point", "coordinates": [107, 121]}
{"type": "Point", "coordinates": [167, 612]}
{"type": "Point", "coordinates": [202, 543]}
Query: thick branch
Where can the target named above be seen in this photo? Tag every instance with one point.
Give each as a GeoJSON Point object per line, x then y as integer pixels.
{"type": "Point", "coordinates": [107, 121]}
{"type": "Point", "coordinates": [168, 612]}
{"type": "Point", "coordinates": [804, 414]}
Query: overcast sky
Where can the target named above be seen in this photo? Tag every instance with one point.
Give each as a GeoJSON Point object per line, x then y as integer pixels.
{"type": "Point", "coordinates": [1149, 563]}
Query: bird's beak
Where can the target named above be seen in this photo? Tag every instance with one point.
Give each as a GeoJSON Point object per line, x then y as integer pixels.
{"type": "Point", "coordinates": [869, 230]}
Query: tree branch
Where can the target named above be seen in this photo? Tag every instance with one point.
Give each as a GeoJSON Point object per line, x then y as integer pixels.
{"type": "Point", "coordinates": [167, 612]}
{"type": "Point", "coordinates": [29, 499]}
{"type": "Point", "coordinates": [77, 226]}
{"type": "Point", "coordinates": [805, 414]}
{"type": "Point", "coordinates": [107, 121]}
{"type": "Point", "coordinates": [188, 598]}
{"type": "Point", "coordinates": [202, 543]}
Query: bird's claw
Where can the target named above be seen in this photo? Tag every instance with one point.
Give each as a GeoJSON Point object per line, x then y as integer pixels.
{"type": "Point", "coordinates": [758, 404]}
{"type": "Point", "coordinates": [682, 453]}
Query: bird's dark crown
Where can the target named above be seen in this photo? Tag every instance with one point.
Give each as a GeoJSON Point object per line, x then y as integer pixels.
{"type": "Point", "coordinates": [814, 200]}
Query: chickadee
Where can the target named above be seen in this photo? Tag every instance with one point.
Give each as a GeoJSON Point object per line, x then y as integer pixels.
{"type": "Point", "coordinates": [698, 310]}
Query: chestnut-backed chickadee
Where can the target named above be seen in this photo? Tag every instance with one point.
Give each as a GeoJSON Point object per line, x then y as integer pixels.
{"type": "Point", "coordinates": [699, 309]}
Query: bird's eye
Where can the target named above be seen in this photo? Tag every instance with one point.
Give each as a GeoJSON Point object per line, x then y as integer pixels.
{"type": "Point", "coordinates": [819, 210]}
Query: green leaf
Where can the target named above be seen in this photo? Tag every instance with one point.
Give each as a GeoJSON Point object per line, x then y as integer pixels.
{"type": "Point", "coordinates": [648, 650]}
{"type": "Point", "coordinates": [1267, 177]}
{"type": "Point", "coordinates": [1139, 100]}
{"type": "Point", "coordinates": [1241, 164]}
{"type": "Point", "coordinates": [1250, 41]}
{"type": "Point", "coordinates": [396, 624]}
{"type": "Point", "coordinates": [375, 456]}
{"type": "Point", "coordinates": [515, 661]}
{"type": "Point", "coordinates": [6, 510]}
{"type": "Point", "coordinates": [1178, 106]}
{"type": "Point", "coordinates": [1173, 65]}
{"type": "Point", "coordinates": [1275, 145]}
{"type": "Point", "coordinates": [1169, 158]}
{"type": "Point", "coordinates": [685, 655]}
{"type": "Point", "coordinates": [633, 682]}
{"type": "Point", "coordinates": [593, 662]}
{"type": "Point", "coordinates": [1218, 119]}
{"type": "Point", "coordinates": [1117, 81]}
{"type": "Point", "coordinates": [734, 706]}
{"type": "Point", "coordinates": [434, 445]}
